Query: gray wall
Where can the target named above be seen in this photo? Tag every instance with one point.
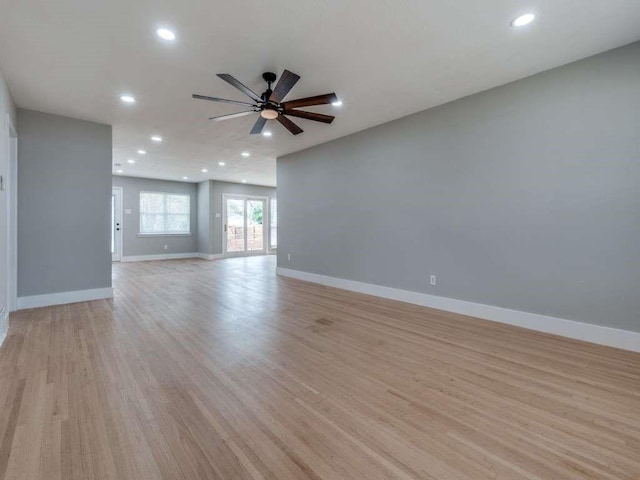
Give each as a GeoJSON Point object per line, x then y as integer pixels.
{"type": "Point", "coordinates": [64, 185]}
{"type": "Point", "coordinates": [133, 245]}
{"type": "Point", "coordinates": [7, 107]}
{"type": "Point", "coordinates": [526, 196]}
{"type": "Point", "coordinates": [206, 201]}
{"type": "Point", "coordinates": [204, 218]}
{"type": "Point", "coordinates": [217, 191]}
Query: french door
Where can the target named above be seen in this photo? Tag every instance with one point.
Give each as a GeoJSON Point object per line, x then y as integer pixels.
{"type": "Point", "coordinates": [244, 225]}
{"type": "Point", "coordinates": [116, 224]}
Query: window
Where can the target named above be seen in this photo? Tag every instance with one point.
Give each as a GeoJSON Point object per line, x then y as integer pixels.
{"type": "Point", "coordinates": [273, 217]}
{"type": "Point", "coordinates": [165, 213]}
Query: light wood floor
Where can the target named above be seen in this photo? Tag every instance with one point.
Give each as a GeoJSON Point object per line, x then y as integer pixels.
{"type": "Point", "coordinates": [220, 370]}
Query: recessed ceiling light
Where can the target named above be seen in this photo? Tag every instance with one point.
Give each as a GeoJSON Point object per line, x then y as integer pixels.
{"type": "Point", "coordinates": [165, 34]}
{"type": "Point", "coordinates": [142, 152]}
{"type": "Point", "coordinates": [244, 181]}
{"type": "Point", "coordinates": [118, 171]}
{"type": "Point", "coordinates": [128, 99]}
{"type": "Point", "coordinates": [523, 20]}
{"type": "Point", "coordinates": [156, 138]}
{"type": "Point", "coordinates": [222, 164]}
{"type": "Point", "coordinates": [266, 134]}
{"type": "Point", "coordinates": [131, 161]}
{"type": "Point", "coordinates": [185, 178]}
{"type": "Point", "coordinates": [337, 103]}
{"type": "Point", "coordinates": [245, 154]}
{"type": "Point", "coordinates": [204, 170]}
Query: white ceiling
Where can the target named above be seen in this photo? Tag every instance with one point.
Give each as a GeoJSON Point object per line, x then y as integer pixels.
{"type": "Point", "coordinates": [384, 58]}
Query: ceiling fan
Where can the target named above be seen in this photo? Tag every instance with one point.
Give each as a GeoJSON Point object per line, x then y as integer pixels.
{"type": "Point", "coordinates": [270, 104]}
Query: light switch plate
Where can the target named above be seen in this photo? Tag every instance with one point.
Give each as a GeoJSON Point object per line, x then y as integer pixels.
{"type": "Point", "coordinates": [128, 211]}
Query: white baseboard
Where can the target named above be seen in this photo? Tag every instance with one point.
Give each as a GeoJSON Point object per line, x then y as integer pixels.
{"type": "Point", "coordinates": [61, 298]}
{"type": "Point", "coordinates": [587, 332]}
{"type": "Point", "coordinates": [171, 256]}
{"type": "Point", "coordinates": [3, 336]}
{"type": "Point", "coordinates": [164, 256]}
{"type": "Point", "coordinates": [210, 256]}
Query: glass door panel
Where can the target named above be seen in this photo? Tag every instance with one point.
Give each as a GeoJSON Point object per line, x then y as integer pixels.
{"type": "Point", "coordinates": [255, 225]}
{"type": "Point", "coordinates": [235, 225]}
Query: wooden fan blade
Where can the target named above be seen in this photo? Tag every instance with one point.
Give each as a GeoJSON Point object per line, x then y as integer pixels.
{"type": "Point", "coordinates": [289, 125]}
{"type": "Point", "coordinates": [325, 99]}
{"type": "Point", "coordinates": [318, 117]}
{"type": "Point", "coordinates": [240, 86]}
{"type": "Point", "coordinates": [223, 100]}
{"type": "Point", "coordinates": [232, 115]}
{"type": "Point", "coordinates": [284, 86]}
{"type": "Point", "coordinates": [258, 126]}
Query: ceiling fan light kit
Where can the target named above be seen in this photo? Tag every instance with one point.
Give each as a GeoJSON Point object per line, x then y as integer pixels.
{"type": "Point", "coordinates": [269, 114]}
{"type": "Point", "coordinates": [271, 105]}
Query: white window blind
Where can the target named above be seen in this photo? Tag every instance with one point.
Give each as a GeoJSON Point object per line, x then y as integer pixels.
{"type": "Point", "coordinates": [165, 213]}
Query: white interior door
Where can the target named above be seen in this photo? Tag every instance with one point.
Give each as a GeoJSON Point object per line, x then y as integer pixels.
{"type": "Point", "coordinates": [244, 231]}
{"type": "Point", "coordinates": [4, 228]}
{"type": "Point", "coordinates": [12, 197]}
{"type": "Point", "coordinates": [116, 224]}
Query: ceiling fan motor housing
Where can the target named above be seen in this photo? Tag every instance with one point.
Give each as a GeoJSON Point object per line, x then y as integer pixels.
{"type": "Point", "coordinates": [269, 77]}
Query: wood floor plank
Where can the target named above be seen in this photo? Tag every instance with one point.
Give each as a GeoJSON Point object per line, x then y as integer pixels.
{"type": "Point", "coordinates": [220, 370]}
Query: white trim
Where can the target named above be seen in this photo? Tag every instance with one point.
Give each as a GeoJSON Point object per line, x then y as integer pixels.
{"type": "Point", "coordinates": [61, 298]}
{"type": "Point", "coordinates": [147, 235]}
{"type": "Point", "coordinates": [164, 256]}
{"type": "Point", "coordinates": [3, 336]}
{"type": "Point", "coordinates": [587, 332]}
{"type": "Point", "coordinates": [171, 256]}
{"type": "Point", "coordinates": [210, 256]}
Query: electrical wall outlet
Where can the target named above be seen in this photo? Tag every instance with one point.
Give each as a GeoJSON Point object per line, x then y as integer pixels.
{"type": "Point", "coordinates": [288, 257]}
{"type": "Point", "coordinates": [166, 247]}
{"type": "Point", "coordinates": [432, 280]}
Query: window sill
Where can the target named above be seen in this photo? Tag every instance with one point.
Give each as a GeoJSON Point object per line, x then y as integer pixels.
{"type": "Point", "coordinates": [145, 235]}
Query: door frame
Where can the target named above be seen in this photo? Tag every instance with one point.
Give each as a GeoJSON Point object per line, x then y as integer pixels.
{"type": "Point", "coordinates": [116, 257]}
{"type": "Point", "coordinates": [265, 223]}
